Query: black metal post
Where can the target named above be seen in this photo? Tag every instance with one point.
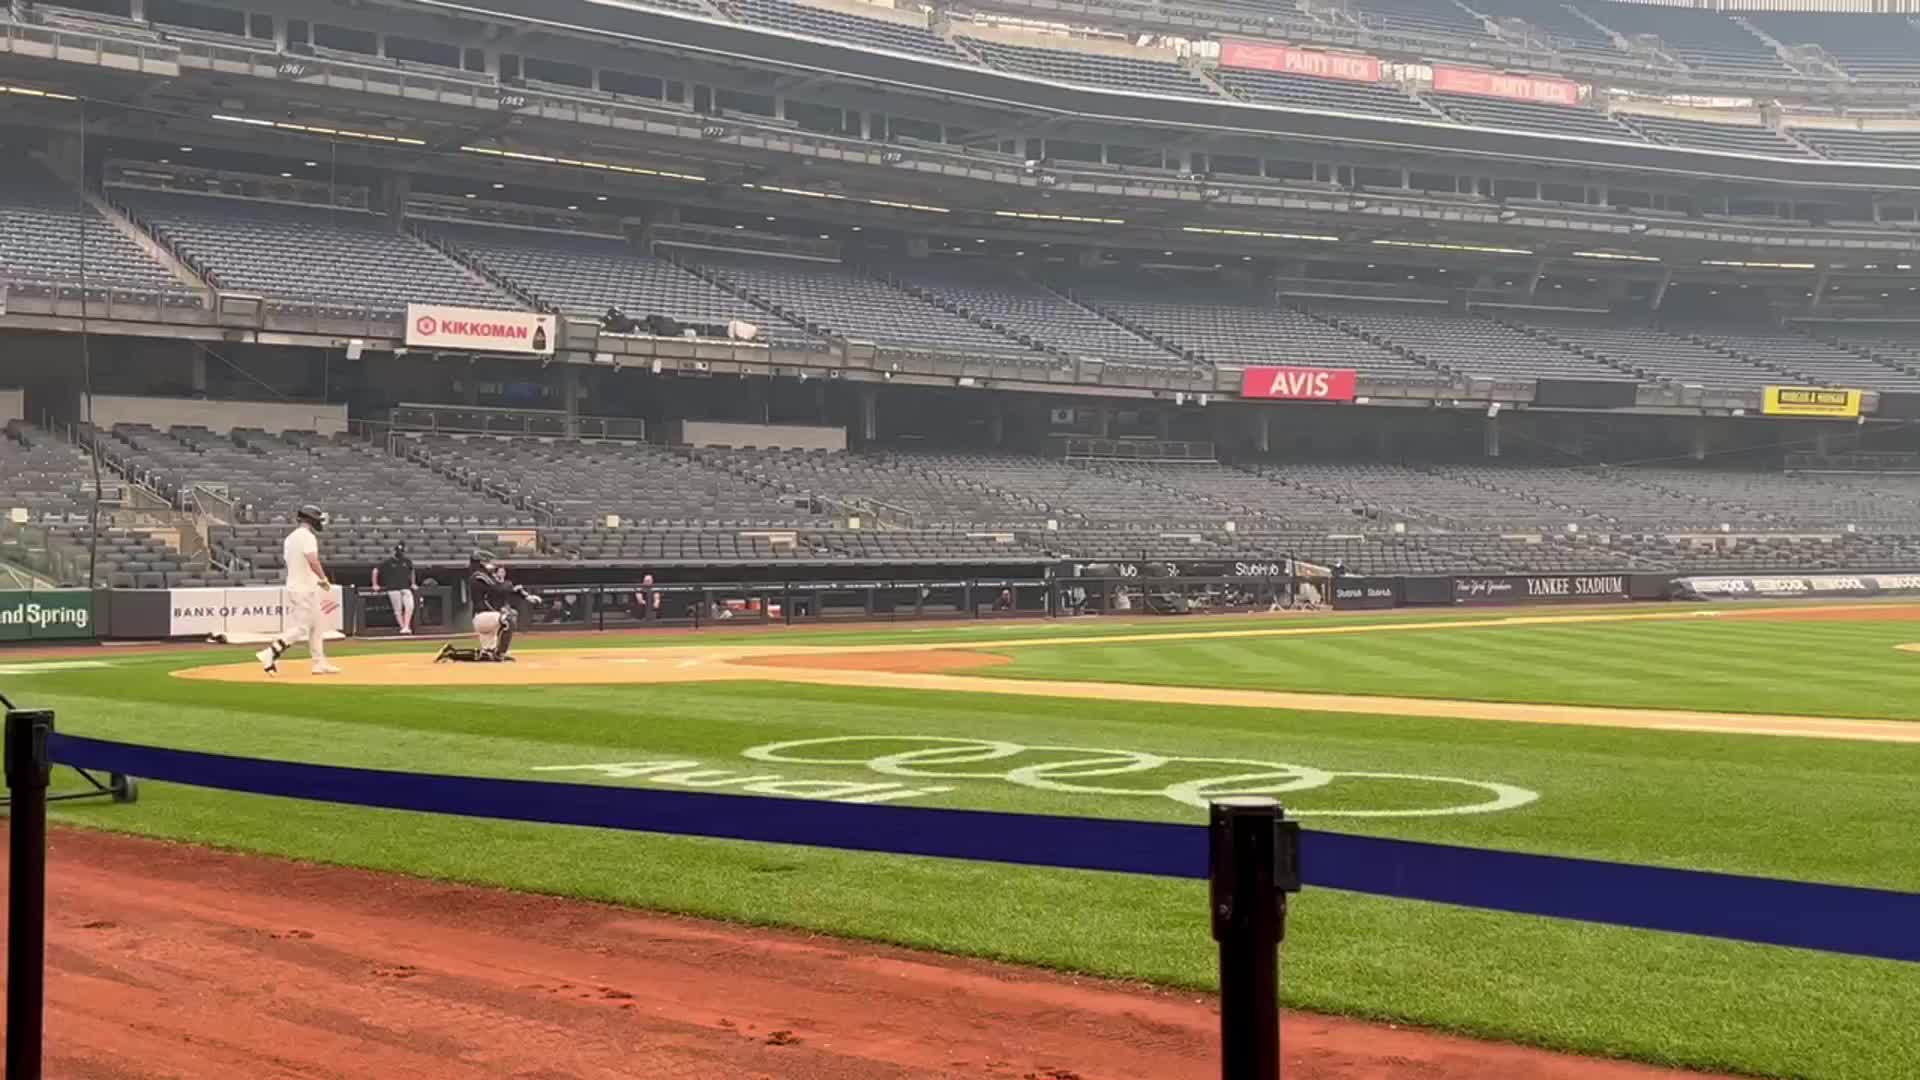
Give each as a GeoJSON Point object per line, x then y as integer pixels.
{"type": "Point", "coordinates": [1254, 863]}
{"type": "Point", "coordinates": [28, 772]}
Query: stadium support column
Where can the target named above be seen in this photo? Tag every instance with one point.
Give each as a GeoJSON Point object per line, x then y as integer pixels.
{"type": "Point", "coordinates": [996, 421]}
{"type": "Point", "coordinates": [1660, 287]}
{"type": "Point", "coordinates": [1533, 276]}
{"type": "Point", "coordinates": [1263, 430]}
{"type": "Point", "coordinates": [571, 391]}
{"type": "Point", "coordinates": [1702, 439]}
{"type": "Point", "coordinates": [1490, 440]}
{"type": "Point", "coordinates": [395, 189]}
{"type": "Point", "coordinates": [197, 370]}
{"type": "Point", "coordinates": [1819, 287]}
{"type": "Point", "coordinates": [137, 9]}
{"type": "Point", "coordinates": [869, 414]}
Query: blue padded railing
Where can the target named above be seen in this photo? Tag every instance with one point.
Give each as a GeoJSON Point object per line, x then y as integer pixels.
{"type": "Point", "coordinates": [1830, 918]}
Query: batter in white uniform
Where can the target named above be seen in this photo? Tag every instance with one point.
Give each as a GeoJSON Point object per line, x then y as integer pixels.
{"type": "Point", "coordinates": [309, 597]}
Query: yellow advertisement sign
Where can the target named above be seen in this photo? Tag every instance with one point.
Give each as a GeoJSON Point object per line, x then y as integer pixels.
{"type": "Point", "coordinates": [1811, 401]}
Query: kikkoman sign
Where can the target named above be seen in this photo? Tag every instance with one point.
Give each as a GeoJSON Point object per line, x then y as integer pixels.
{"type": "Point", "coordinates": [65, 614]}
{"type": "Point", "coordinates": [431, 326]}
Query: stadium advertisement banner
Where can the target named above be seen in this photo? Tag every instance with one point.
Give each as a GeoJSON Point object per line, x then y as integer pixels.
{"type": "Point", "coordinates": [1534, 88]}
{"type": "Point", "coordinates": [1775, 587]}
{"type": "Point", "coordinates": [1541, 588]}
{"type": "Point", "coordinates": [249, 614]}
{"type": "Point", "coordinates": [1298, 383]}
{"type": "Point", "coordinates": [1811, 401]}
{"type": "Point", "coordinates": [1353, 67]}
{"type": "Point", "coordinates": [64, 614]}
{"type": "Point", "coordinates": [1360, 594]}
{"type": "Point", "coordinates": [430, 326]}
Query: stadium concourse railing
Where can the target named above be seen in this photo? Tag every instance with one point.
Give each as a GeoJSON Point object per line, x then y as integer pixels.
{"type": "Point", "coordinates": [1249, 853]}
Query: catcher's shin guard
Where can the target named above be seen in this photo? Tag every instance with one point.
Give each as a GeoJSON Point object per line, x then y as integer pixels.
{"type": "Point", "coordinates": [455, 653]}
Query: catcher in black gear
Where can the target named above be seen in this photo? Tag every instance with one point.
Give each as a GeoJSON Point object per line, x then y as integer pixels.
{"type": "Point", "coordinates": [494, 613]}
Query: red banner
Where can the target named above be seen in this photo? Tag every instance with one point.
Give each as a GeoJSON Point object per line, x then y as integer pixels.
{"type": "Point", "coordinates": [1298, 383]}
{"type": "Point", "coordinates": [1353, 67]}
{"type": "Point", "coordinates": [1534, 88]}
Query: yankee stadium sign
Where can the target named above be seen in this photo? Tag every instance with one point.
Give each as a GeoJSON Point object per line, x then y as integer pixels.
{"type": "Point", "coordinates": [430, 326]}
{"type": "Point", "coordinates": [1539, 589]}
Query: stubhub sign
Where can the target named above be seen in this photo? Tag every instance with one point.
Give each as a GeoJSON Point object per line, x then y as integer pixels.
{"type": "Point", "coordinates": [1298, 383]}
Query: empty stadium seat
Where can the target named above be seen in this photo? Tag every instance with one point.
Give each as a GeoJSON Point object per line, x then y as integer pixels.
{"type": "Point", "coordinates": [42, 225]}
{"type": "Point", "coordinates": [270, 249]}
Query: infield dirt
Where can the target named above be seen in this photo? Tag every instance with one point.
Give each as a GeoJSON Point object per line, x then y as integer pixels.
{"type": "Point", "coordinates": [173, 961]}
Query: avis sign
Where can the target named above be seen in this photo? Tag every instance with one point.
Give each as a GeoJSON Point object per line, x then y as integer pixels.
{"type": "Point", "coordinates": [1298, 383]}
{"type": "Point", "coordinates": [528, 333]}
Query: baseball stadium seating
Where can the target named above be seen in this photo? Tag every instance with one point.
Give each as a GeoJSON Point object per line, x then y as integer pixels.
{"type": "Point", "coordinates": [1864, 46]}
{"type": "Point", "coordinates": [1846, 144]}
{"type": "Point", "coordinates": [1307, 92]}
{"type": "Point", "coordinates": [831, 300]}
{"type": "Point", "coordinates": [268, 249]}
{"type": "Point", "coordinates": [1527, 116]}
{"type": "Point", "coordinates": [1703, 41]}
{"type": "Point", "coordinates": [1072, 65]}
{"type": "Point", "coordinates": [42, 222]}
{"type": "Point", "coordinates": [579, 483]}
{"type": "Point", "coordinates": [586, 274]}
{"type": "Point", "coordinates": [1466, 344]}
{"type": "Point", "coordinates": [1216, 326]}
{"type": "Point", "coordinates": [1705, 135]}
{"type": "Point", "coordinates": [1642, 350]}
{"type": "Point", "coordinates": [843, 26]}
{"type": "Point", "coordinates": [1022, 309]}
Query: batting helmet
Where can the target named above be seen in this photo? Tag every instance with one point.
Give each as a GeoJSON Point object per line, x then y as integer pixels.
{"type": "Point", "coordinates": [311, 515]}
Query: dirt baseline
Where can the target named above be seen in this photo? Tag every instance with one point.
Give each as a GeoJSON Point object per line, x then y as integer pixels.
{"type": "Point", "coordinates": [154, 949]}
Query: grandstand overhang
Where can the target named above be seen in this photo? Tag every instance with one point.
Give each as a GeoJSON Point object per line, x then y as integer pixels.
{"type": "Point", "coordinates": [741, 45]}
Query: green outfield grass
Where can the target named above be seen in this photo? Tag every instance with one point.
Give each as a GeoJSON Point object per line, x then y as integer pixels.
{"type": "Point", "coordinates": [1807, 809]}
{"type": "Point", "coordinates": [1734, 665]}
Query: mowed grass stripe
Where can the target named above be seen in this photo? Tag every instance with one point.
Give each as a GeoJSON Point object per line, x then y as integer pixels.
{"type": "Point", "coordinates": [1812, 669]}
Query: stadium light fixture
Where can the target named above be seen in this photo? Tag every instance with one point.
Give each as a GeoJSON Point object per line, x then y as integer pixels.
{"type": "Point", "coordinates": [1741, 265]}
{"type": "Point", "coordinates": [575, 163]}
{"type": "Point", "coordinates": [1616, 256]}
{"type": "Point", "coordinates": [313, 164]}
{"type": "Point", "coordinates": [28, 91]}
{"type": "Point", "coordinates": [1034, 215]}
{"type": "Point", "coordinates": [924, 208]}
{"type": "Point", "coordinates": [573, 206]}
{"type": "Point", "coordinates": [1435, 246]}
{"type": "Point", "coordinates": [311, 129]}
{"type": "Point", "coordinates": [1258, 234]}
